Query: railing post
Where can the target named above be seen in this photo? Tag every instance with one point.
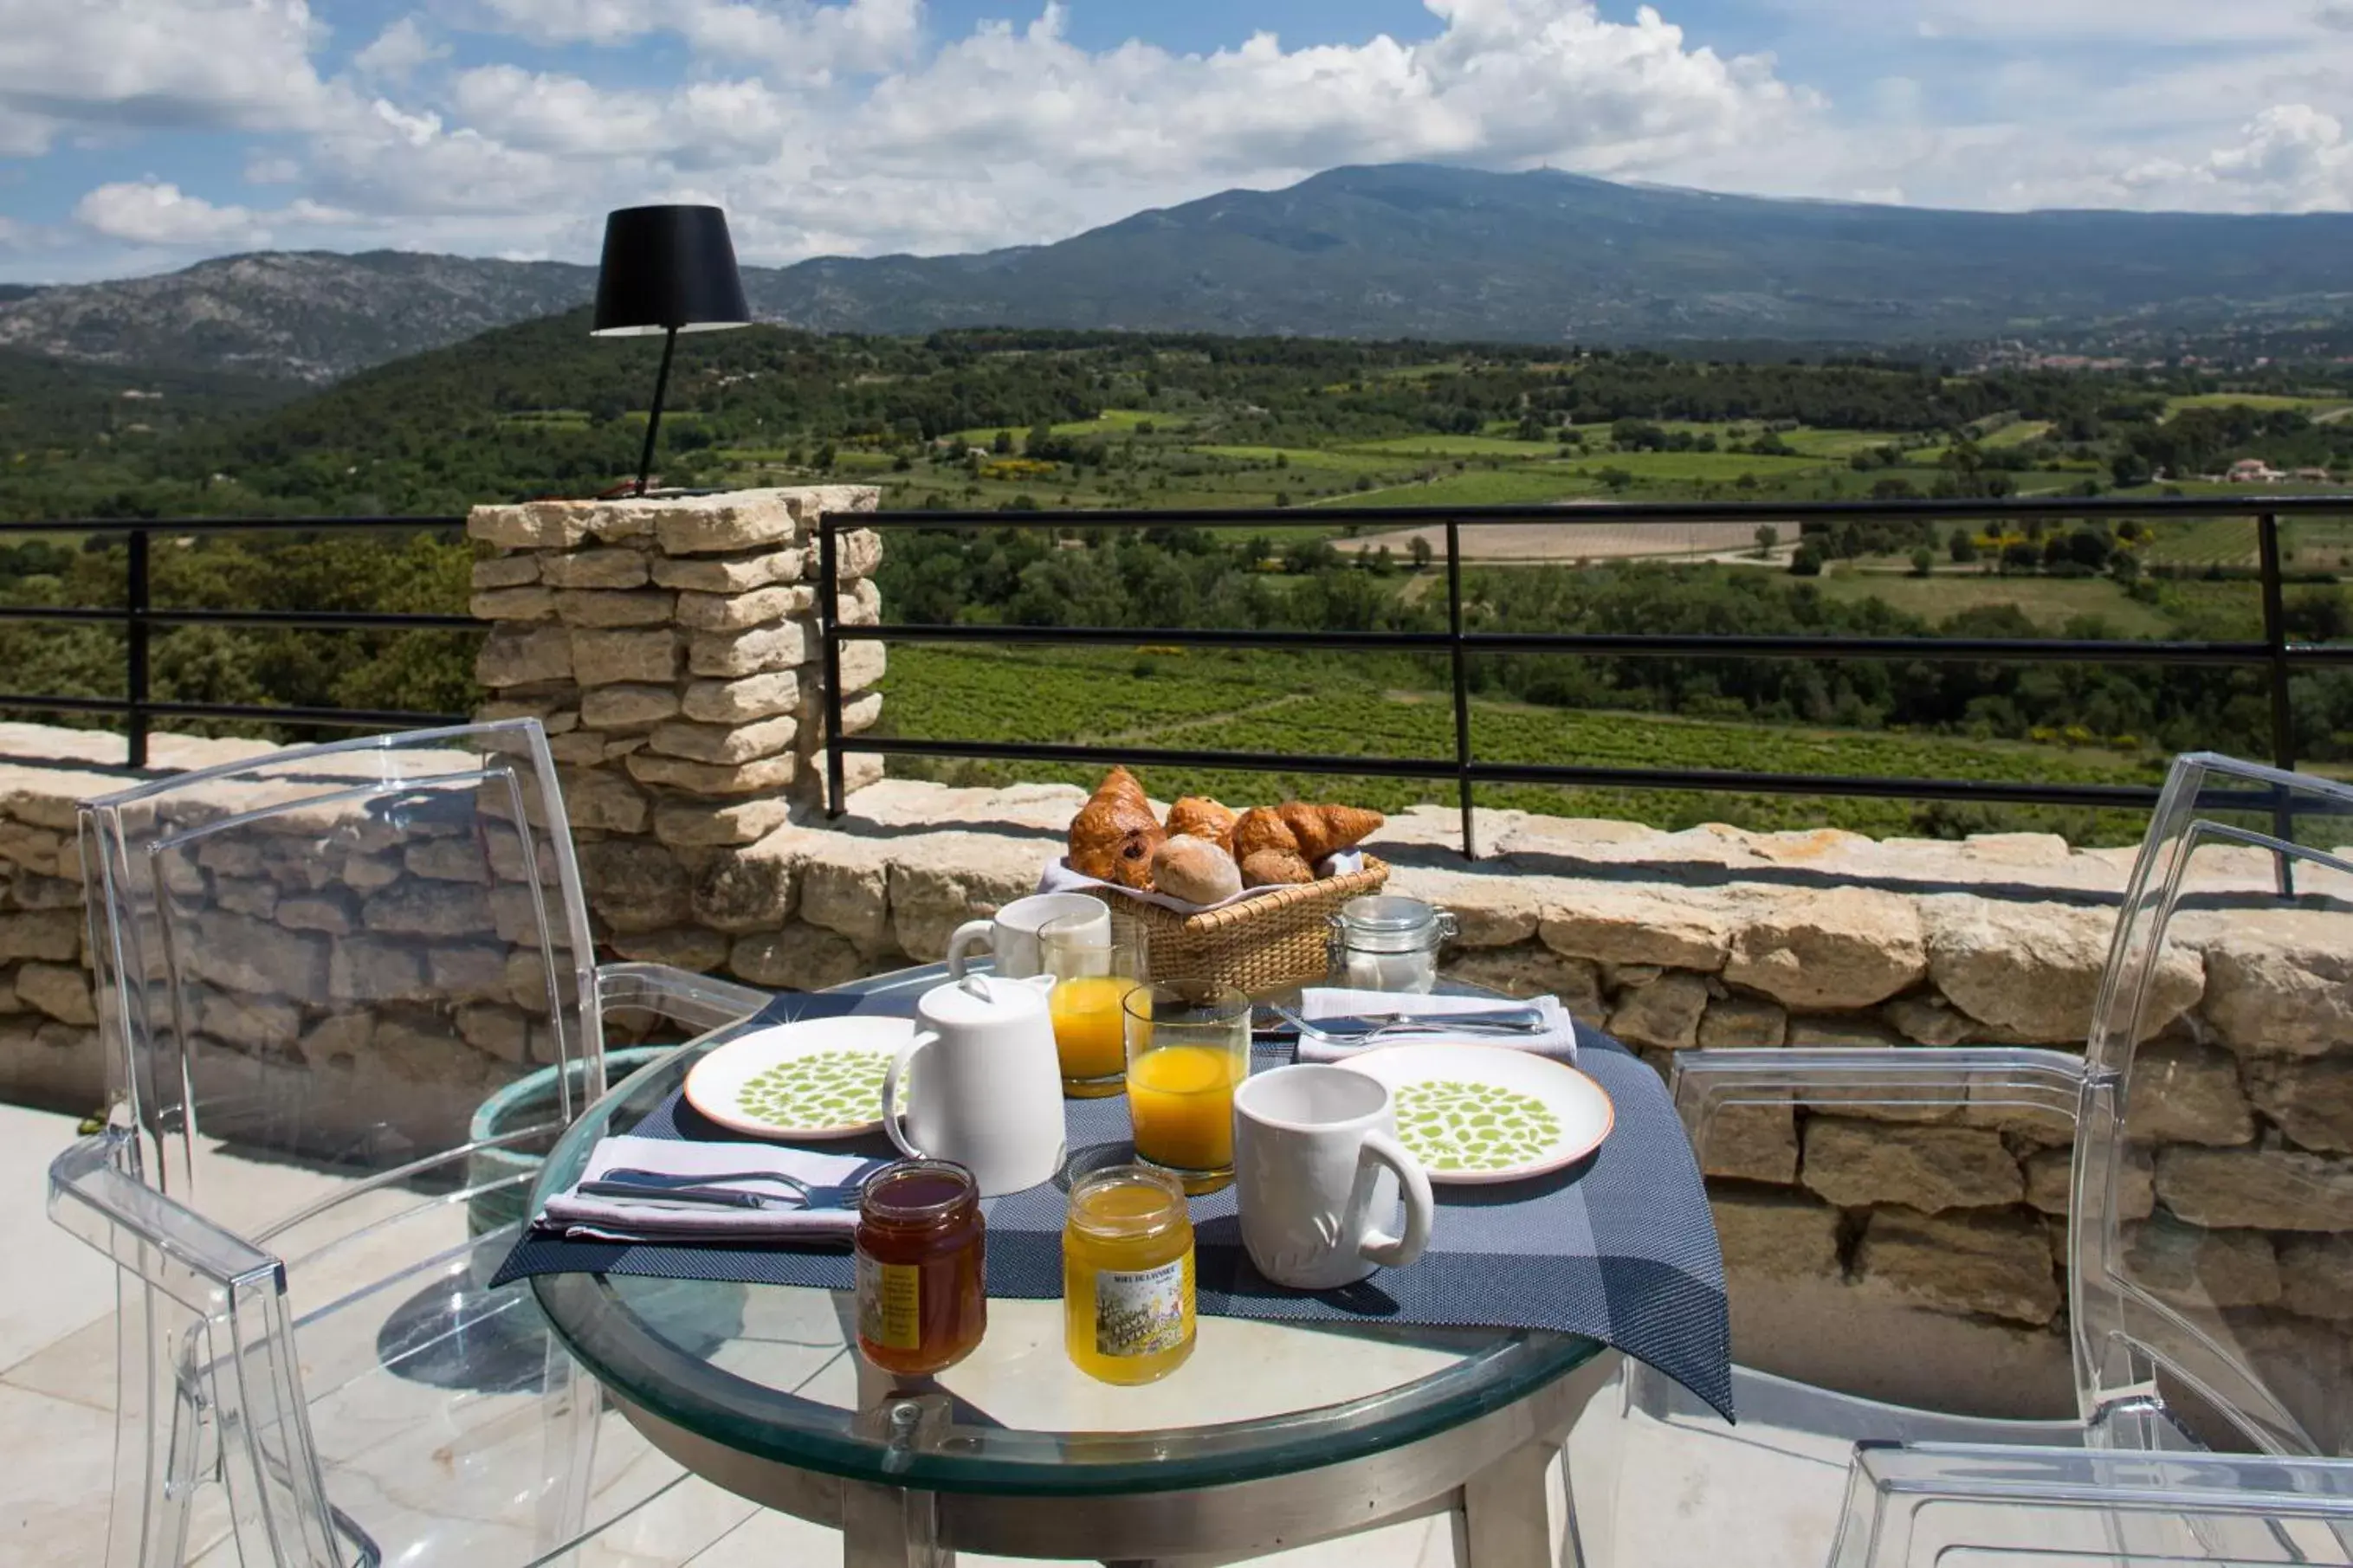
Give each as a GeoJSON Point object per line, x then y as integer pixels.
{"type": "Point", "coordinates": [829, 631]}
{"type": "Point", "coordinates": [1462, 684]}
{"type": "Point", "coordinates": [134, 632]}
{"type": "Point", "coordinates": [2283, 710]}
{"type": "Point", "coordinates": [2275, 643]}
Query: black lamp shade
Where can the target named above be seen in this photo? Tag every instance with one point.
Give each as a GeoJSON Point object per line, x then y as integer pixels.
{"type": "Point", "coordinates": [668, 268]}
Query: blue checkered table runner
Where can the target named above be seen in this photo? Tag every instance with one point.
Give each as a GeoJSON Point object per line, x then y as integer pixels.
{"type": "Point", "coordinates": [1619, 1248]}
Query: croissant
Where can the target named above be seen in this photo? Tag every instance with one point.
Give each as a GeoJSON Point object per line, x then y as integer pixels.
{"type": "Point", "coordinates": [1114, 834]}
{"type": "Point", "coordinates": [1121, 785]}
{"type": "Point", "coordinates": [1323, 831]}
{"type": "Point", "coordinates": [1258, 829]}
{"type": "Point", "coordinates": [1202, 818]}
{"type": "Point", "coordinates": [1264, 867]}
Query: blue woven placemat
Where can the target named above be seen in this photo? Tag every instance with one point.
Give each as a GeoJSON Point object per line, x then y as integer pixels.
{"type": "Point", "coordinates": [1619, 1248]}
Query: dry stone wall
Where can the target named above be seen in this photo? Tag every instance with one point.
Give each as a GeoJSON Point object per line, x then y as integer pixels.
{"type": "Point", "coordinates": [670, 647]}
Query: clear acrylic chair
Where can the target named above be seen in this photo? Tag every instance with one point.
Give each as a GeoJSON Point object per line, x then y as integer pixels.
{"type": "Point", "coordinates": [1956, 1506]}
{"type": "Point", "coordinates": [2211, 1241]}
{"type": "Point", "coordinates": [311, 968]}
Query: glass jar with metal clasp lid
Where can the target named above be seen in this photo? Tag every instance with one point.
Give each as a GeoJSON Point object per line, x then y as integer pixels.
{"type": "Point", "coordinates": [1388, 944]}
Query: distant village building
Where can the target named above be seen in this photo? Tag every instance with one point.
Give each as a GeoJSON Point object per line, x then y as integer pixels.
{"type": "Point", "coordinates": [2252, 471]}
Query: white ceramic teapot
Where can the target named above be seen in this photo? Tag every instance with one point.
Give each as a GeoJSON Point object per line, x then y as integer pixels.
{"type": "Point", "coordinates": [989, 1094]}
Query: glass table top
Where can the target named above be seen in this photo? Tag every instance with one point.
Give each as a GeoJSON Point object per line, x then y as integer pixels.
{"type": "Point", "coordinates": [772, 1371]}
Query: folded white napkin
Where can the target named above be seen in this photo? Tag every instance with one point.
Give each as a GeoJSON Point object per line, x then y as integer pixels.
{"type": "Point", "coordinates": [1058, 878]}
{"type": "Point", "coordinates": [620, 1219]}
{"type": "Point", "coordinates": [1558, 1039]}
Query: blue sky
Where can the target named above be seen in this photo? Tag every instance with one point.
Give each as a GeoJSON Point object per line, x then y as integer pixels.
{"type": "Point", "coordinates": [139, 135]}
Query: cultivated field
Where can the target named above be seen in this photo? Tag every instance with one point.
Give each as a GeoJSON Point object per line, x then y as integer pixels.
{"type": "Point", "coordinates": [1570, 541]}
{"type": "Point", "coordinates": [1253, 702]}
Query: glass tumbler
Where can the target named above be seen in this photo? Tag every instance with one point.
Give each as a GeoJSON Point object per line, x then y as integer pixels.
{"type": "Point", "coordinates": [1188, 1047]}
{"type": "Point", "coordinates": [1093, 970]}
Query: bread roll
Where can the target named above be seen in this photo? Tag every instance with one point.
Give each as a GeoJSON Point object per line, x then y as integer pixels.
{"type": "Point", "coordinates": [1195, 870]}
{"type": "Point", "coordinates": [1202, 818]}
{"type": "Point", "coordinates": [1269, 868]}
{"type": "Point", "coordinates": [1322, 831]}
{"type": "Point", "coordinates": [1114, 834]}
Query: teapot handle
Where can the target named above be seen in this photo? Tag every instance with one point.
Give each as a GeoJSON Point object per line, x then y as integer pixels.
{"type": "Point", "coordinates": [892, 1079]}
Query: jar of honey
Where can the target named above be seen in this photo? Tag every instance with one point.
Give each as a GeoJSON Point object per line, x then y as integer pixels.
{"type": "Point", "coordinates": [1127, 1275]}
{"type": "Point", "coordinates": [923, 1302]}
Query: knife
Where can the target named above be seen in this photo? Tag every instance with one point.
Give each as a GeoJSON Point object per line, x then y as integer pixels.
{"type": "Point", "coordinates": [1500, 1020]}
{"type": "Point", "coordinates": [652, 1197]}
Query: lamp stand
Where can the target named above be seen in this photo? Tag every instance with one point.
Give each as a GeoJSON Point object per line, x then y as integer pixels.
{"type": "Point", "coordinates": [653, 420]}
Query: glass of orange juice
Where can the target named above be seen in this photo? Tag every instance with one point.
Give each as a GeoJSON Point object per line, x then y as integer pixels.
{"type": "Point", "coordinates": [1188, 1047]}
{"type": "Point", "coordinates": [1094, 971]}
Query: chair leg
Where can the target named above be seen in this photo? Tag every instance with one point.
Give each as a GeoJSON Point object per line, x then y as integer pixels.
{"type": "Point", "coordinates": [276, 1496]}
{"type": "Point", "coordinates": [572, 1405]}
{"type": "Point", "coordinates": [159, 1430]}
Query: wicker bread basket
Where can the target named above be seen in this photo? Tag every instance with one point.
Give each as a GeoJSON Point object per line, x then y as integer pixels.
{"type": "Point", "coordinates": [1257, 945]}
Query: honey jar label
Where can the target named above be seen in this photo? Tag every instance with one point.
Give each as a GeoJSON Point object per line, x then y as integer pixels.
{"type": "Point", "coordinates": [1144, 1313]}
{"type": "Point", "coordinates": [890, 1304]}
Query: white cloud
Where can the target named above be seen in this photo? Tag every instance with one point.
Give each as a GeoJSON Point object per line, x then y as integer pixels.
{"type": "Point", "coordinates": [796, 38]}
{"type": "Point", "coordinates": [155, 64]}
{"type": "Point", "coordinates": [1509, 82]}
{"type": "Point", "coordinates": [399, 52]}
{"type": "Point", "coordinates": [149, 212]}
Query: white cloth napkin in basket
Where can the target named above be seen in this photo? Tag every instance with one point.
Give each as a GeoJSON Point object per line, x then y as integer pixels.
{"type": "Point", "coordinates": [1058, 877]}
{"type": "Point", "coordinates": [619, 1219]}
{"type": "Point", "coordinates": [1558, 1039]}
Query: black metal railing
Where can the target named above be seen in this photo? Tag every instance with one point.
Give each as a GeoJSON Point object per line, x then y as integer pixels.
{"type": "Point", "coordinates": [138, 616]}
{"type": "Point", "coordinates": [2272, 652]}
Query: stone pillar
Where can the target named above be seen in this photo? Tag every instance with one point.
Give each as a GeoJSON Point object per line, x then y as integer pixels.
{"type": "Point", "coordinates": [671, 648]}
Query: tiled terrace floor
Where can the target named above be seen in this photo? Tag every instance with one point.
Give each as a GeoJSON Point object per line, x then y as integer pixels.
{"type": "Point", "coordinates": [1768, 1501]}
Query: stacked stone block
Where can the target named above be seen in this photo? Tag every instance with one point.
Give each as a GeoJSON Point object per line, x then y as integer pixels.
{"type": "Point", "coordinates": [670, 647]}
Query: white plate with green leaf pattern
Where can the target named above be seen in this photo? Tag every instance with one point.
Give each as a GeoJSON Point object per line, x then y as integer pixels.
{"type": "Point", "coordinates": [1477, 1114]}
{"type": "Point", "coordinates": [821, 1077]}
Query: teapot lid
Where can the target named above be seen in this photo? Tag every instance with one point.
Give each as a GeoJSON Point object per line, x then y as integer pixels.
{"type": "Point", "coordinates": [981, 999]}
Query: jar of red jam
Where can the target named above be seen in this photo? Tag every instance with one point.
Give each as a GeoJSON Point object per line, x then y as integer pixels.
{"type": "Point", "coordinates": [923, 1302]}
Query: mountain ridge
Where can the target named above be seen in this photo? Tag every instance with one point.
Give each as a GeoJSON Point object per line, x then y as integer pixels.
{"type": "Point", "coordinates": [1369, 251]}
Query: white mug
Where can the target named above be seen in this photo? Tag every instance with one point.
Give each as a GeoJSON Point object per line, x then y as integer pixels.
{"type": "Point", "coordinates": [1013, 934]}
{"type": "Point", "coordinates": [1317, 1166]}
{"type": "Point", "coordinates": [989, 1094]}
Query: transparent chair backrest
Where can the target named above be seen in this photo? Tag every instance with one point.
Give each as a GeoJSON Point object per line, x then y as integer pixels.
{"type": "Point", "coordinates": [315, 966]}
{"type": "Point", "coordinates": [2213, 1202]}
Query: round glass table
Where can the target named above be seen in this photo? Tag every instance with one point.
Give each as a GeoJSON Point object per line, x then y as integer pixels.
{"type": "Point", "coordinates": [1271, 1435]}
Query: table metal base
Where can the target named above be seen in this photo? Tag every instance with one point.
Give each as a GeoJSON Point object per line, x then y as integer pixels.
{"type": "Point", "coordinates": [1489, 1471]}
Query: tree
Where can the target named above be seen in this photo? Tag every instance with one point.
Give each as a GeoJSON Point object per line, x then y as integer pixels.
{"type": "Point", "coordinates": [2020, 556]}
{"type": "Point", "coordinates": [1768, 536]}
{"type": "Point", "coordinates": [2129, 469]}
{"type": "Point", "coordinates": [1420, 552]}
{"type": "Point", "coordinates": [2091, 547]}
{"type": "Point", "coordinates": [1963, 548]}
{"type": "Point", "coordinates": [1924, 561]}
{"type": "Point", "coordinates": [1806, 561]}
{"type": "Point", "coordinates": [1003, 445]}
